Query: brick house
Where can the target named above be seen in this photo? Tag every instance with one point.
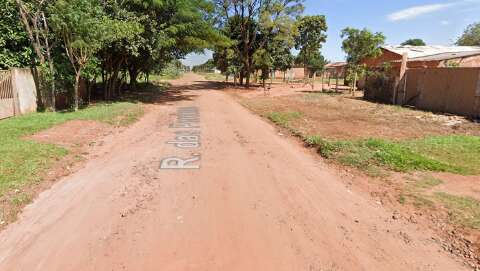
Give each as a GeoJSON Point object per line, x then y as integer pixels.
{"type": "Point", "coordinates": [427, 56]}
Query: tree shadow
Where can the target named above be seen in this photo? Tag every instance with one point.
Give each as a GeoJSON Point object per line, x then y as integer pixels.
{"type": "Point", "coordinates": [158, 93]}
{"type": "Point", "coordinates": [326, 92]}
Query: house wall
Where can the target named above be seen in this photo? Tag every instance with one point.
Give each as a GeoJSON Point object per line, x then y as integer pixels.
{"type": "Point", "coordinates": [25, 91]}
{"type": "Point", "coordinates": [449, 90]}
{"type": "Point", "coordinates": [386, 56]}
{"type": "Point", "coordinates": [466, 62]}
{"type": "Point", "coordinates": [452, 90]}
{"type": "Point", "coordinates": [294, 73]}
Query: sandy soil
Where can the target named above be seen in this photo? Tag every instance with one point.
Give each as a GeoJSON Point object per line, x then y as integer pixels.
{"type": "Point", "coordinates": [341, 117]}
{"type": "Point", "coordinates": [260, 201]}
{"type": "Point", "coordinates": [79, 132]}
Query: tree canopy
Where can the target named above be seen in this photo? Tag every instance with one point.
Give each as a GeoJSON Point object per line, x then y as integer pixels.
{"type": "Point", "coordinates": [254, 26]}
{"type": "Point", "coordinates": [116, 40]}
{"type": "Point", "coordinates": [14, 47]}
{"type": "Point", "coordinates": [414, 42]}
{"type": "Point", "coordinates": [359, 45]}
{"type": "Point", "coordinates": [471, 36]}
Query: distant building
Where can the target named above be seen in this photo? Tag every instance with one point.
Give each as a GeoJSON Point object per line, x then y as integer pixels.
{"type": "Point", "coordinates": [427, 56]}
{"type": "Point", "coordinates": [336, 68]}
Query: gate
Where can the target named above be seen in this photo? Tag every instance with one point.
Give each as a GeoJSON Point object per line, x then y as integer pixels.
{"type": "Point", "coordinates": [7, 101]}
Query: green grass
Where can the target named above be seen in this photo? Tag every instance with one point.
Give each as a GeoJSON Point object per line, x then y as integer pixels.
{"type": "Point", "coordinates": [462, 210]}
{"type": "Point", "coordinates": [21, 161]}
{"type": "Point", "coordinates": [283, 118]}
{"type": "Point", "coordinates": [456, 154]}
{"type": "Point", "coordinates": [214, 76]}
{"type": "Point", "coordinates": [427, 182]}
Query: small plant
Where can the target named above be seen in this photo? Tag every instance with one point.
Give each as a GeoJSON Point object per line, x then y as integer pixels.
{"type": "Point", "coordinates": [462, 210]}
{"type": "Point", "coordinates": [283, 118]}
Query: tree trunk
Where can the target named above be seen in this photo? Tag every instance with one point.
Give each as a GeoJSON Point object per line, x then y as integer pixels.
{"type": "Point", "coordinates": [133, 78]}
{"type": "Point", "coordinates": [354, 84]}
{"type": "Point", "coordinates": [241, 77]}
{"type": "Point", "coordinates": [313, 82]}
{"type": "Point", "coordinates": [247, 79]}
{"type": "Point", "coordinates": [336, 82]}
{"type": "Point", "coordinates": [76, 90]}
{"type": "Point", "coordinates": [323, 75]}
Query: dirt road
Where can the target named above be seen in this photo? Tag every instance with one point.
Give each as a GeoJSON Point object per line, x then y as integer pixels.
{"type": "Point", "coordinates": [246, 198]}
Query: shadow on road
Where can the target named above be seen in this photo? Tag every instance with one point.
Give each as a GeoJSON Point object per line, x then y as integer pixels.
{"type": "Point", "coordinates": [157, 94]}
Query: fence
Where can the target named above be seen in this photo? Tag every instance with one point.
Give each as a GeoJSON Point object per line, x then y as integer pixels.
{"type": "Point", "coordinates": [7, 101]}
{"type": "Point", "coordinates": [18, 93]}
{"type": "Point", "coordinates": [449, 90]}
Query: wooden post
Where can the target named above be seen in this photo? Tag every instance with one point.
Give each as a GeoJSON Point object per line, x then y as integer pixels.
{"type": "Point", "coordinates": [323, 75]}
{"type": "Point", "coordinates": [313, 81]}
{"type": "Point", "coordinates": [403, 69]}
{"type": "Point", "coordinates": [354, 83]}
{"type": "Point", "coordinates": [336, 81]}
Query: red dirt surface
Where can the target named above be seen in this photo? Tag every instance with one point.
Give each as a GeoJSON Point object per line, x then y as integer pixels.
{"type": "Point", "coordinates": [260, 201]}
{"type": "Point", "coordinates": [72, 133]}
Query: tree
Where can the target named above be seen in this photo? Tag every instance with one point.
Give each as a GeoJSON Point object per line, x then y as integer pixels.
{"type": "Point", "coordinates": [253, 24]}
{"type": "Point", "coordinates": [414, 42]}
{"type": "Point", "coordinates": [359, 45]}
{"type": "Point", "coordinates": [263, 61]}
{"type": "Point", "coordinates": [33, 16]}
{"type": "Point", "coordinates": [15, 50]}
{"type": "Point", "coordinates": [224, 59]}
{"type": "Point", "coordinates": [282, 58]}
{"type": "Point", "coordinates": [316, 63]}
{"type": "Point", "coordinates": [85, 29]}
{"type": "Point", "coordinates": [471, 36]}
{"type": "Point", "coordinates": [311, 36]}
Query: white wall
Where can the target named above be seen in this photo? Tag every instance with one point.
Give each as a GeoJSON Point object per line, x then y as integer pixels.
{"type": "Point", "coordinates": [24, 88]}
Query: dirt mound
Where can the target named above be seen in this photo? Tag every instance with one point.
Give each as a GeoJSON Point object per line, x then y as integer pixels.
{"type": "Point", "coordinates": [72, 133]}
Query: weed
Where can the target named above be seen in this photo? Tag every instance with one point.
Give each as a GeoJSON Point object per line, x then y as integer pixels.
{"type": "Point", "coordinates": [22, 161]}
{"type": "Point", "coordinates": [283, 119]}
{"type": "Point", "coordinates": [462, 210]}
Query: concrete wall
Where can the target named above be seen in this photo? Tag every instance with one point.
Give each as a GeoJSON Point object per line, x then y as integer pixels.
{"type": "Point", "coordinates": [294, 73]}
{"type": "Point", "coordinates": [451, 90]}
{"type": "Point", "coordinates": [448, 90]}
{"type": "Point", "coordinates": [24, 90]}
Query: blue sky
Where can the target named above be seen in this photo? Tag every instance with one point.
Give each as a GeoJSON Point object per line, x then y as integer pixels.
{"type": "Point", "coordinates": [438, 22]}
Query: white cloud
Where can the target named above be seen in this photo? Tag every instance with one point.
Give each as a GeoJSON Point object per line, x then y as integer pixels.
{"type": "Point", "coordinates": [416, 11]}
{"type": "Point", "coordinates": [445, 22]}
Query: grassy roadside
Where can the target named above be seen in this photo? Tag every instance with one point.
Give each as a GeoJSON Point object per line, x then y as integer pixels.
{"type": "Point", "coordinates": [22, 161]}
{"type": "Point", "coordinates": [454, 153]}
{"type": "Point", "coordinates": [214, 76]}
{"type": "Point", "coordinates": [450, 153]}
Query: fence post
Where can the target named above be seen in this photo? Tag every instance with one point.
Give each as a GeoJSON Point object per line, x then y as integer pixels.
{"type": "Point", "coordinates": [403, 69]}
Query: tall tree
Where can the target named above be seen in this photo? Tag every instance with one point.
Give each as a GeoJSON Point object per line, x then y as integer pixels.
{"type": "Point", "coordinates": [249, 19]}
{"type": "Point", "coordinates": [85, 29]}
{"type": "Point", "coordinates": [414, 42]}
{"type": "Point", "coordinates": [311, 36]}
{"type": "Point", "coordinates": [263, 61]}
{"type": "Point", "coordinates": [15, 50]}
{"type": "Point", "coordinates": [33, 16]}
{"type": "Point", "coordinates": [282, 58]}
{"type": "Point", "coordinates": [316, 63]}
{"type": "Point", "coordinates": [471, 36]}
{"type": "Point", "coordinates": [359, 45]}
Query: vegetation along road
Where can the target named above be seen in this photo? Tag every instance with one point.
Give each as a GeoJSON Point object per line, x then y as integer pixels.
{"type": "Point", "coordinates": [233, 194]}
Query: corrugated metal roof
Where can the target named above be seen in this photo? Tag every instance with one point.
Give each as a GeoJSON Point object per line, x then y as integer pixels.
{"type": "Point", "coordinates": [446, 56]}
{"type": "Point", "coordinates": [335, 64]}
{"type": "Point", "coordinates": [425, 51]}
